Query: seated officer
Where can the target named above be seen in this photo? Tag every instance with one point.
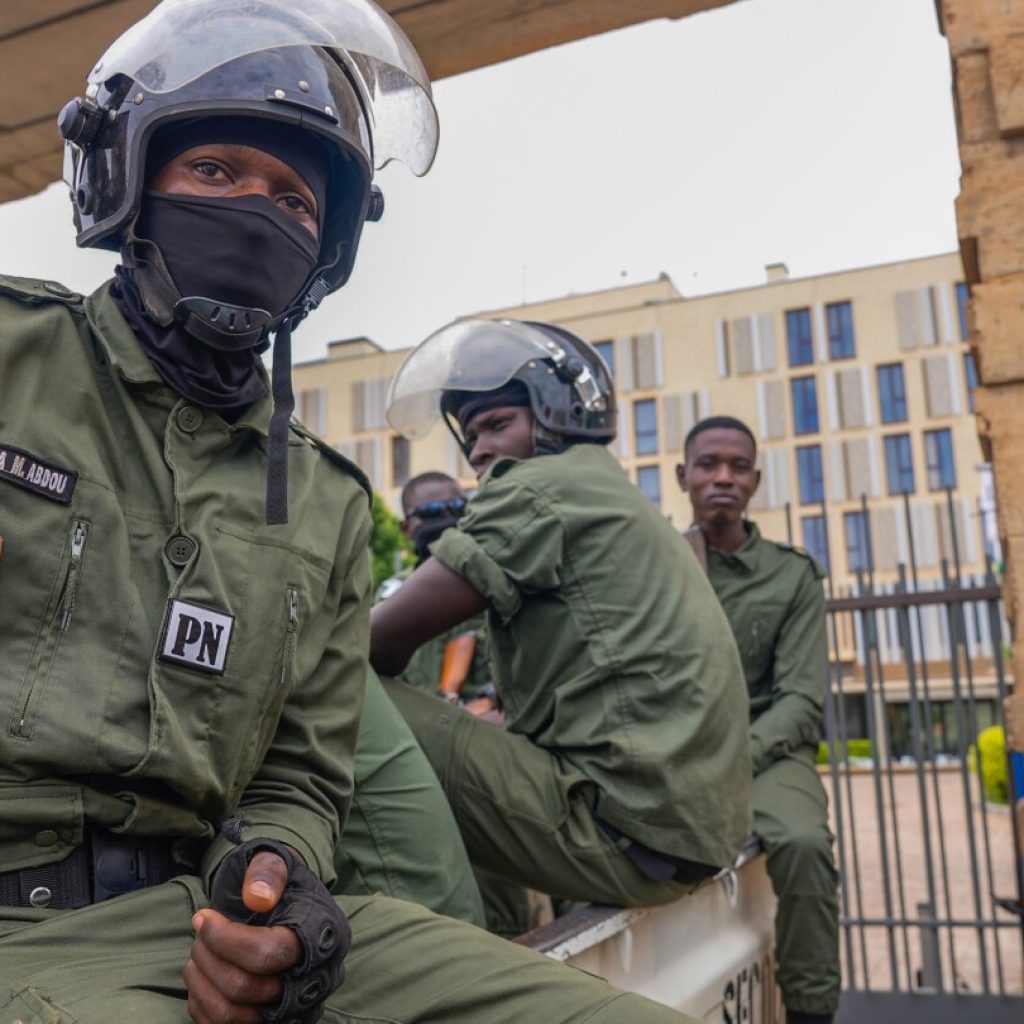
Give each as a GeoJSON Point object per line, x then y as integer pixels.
{"type": "Point", "coordinates": [623, 776]}
{"type": "Point", "coordinates": [184, 590]}
{"type": "Point", "coordinates": [773, 598]}
{"type": "Point", "coordinates": [432, 503]}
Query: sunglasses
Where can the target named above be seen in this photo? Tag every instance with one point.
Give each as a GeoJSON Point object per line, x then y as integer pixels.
{"type": "Point", "coordinates": [437, 509]}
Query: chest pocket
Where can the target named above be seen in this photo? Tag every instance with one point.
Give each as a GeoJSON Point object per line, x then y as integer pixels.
{"type": "Point", "coordinates": [215, 710]}
{"type": "Point", "coordinates": [757, 637]}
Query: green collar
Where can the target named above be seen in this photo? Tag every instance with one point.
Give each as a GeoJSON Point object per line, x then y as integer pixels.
{"type": "Point", "coordinates": [129, 359]}
{"type": "Point", "coordinates": [747, 555]}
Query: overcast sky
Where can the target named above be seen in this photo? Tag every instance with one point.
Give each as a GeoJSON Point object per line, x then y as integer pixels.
{"type": "Point", "coordinates": [815, 132]}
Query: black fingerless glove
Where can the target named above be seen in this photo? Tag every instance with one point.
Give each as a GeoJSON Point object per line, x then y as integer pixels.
{"type": "Point", "coordinates": [309, 910]}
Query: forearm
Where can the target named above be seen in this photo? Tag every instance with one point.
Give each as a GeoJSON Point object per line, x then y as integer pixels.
{"type": "Point", "coordinates": [794, 721]}
{"type": "Point", "coordinates": [430, 602]}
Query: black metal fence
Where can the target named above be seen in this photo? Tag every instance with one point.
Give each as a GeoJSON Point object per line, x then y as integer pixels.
{"type": "Point", "coordinates": [930, 864]}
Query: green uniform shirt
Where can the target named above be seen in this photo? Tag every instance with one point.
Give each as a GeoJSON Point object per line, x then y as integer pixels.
{"type": "Point", "coordinates": [773, 598]}
{"type": "Point", "coordinates": [609, 649]}
{"type": "Point", "coordinates": [166, 658]}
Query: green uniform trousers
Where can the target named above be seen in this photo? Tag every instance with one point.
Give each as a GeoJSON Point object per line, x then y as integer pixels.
{"type": "Point", "coordinates": [400, 838]}
{"type": "Point", "coordinates": [525, 814]}
{"type": "Point", "coordinates": [120, 962]}
{"type": "Point", "coordinates": [791, 820]}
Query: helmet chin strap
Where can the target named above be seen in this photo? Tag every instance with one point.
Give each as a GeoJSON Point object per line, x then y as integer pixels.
{"type": "Point", "coordinates": [220, 325]}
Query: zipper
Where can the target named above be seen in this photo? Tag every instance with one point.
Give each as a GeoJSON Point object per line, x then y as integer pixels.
{"type": "Point", "coordinates": [290, 637]}
{"type": "Point", "coordinates": [74, 574]}
{"type": "Point", "coordinates": [46, 649]}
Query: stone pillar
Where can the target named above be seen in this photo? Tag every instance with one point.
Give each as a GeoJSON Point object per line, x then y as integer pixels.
{"type": "Point", "coordinates": [986, 40]}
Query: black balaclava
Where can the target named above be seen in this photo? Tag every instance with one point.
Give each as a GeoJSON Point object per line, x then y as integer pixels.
{"type": "Point", "coordinates": [243, 250]}
{"type": "Point", "coordinates": [467, 404]}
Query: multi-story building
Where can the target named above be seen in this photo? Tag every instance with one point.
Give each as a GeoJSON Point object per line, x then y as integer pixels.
{"type": "Point", "coordinates": [859, 387]}
{"type": "Point", "coordinates": [857, 383]}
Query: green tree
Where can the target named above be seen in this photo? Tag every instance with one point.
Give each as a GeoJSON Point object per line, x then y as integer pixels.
{"type": "Point", "coordinates": [388, 545]}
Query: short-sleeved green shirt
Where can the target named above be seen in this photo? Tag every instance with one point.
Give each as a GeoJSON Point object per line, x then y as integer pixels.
{"type": "Point", "coordinates": [772, 596]}
{"type": "Point", "coordinates": [609, 648]}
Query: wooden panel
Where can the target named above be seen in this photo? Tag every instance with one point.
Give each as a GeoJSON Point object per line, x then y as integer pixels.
{"type": "Point", "coordinates": [48, 46]}
{"type": "Point", "coordinates": [453, 36]}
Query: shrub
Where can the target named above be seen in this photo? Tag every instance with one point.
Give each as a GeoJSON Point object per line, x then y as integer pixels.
{"type": "Point", "coordinates": [387, 542]}
{"type": "Point", "coordinates": [854, 748]}
{"type": "Point", "coordinates": [992, 747]}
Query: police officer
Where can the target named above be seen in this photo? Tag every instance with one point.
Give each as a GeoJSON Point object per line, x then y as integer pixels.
{"type": "Point", "coordinates": [623, 776]}
{"type": "Point", "coordinates": [773, 598]}
{"type": "Point", "coordinates": [432, 503]}
{"type": "Point", "coordinates": [184, 585]}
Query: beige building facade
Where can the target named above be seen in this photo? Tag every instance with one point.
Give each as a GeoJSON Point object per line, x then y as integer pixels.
{"type": "Point", "coordinates": [857, 383]}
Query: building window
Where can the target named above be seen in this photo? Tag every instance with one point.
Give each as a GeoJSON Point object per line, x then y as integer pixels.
{"type": "Point", "coordinates": [809, 473]}
{"type": "Point", "coordinates": [816, 539]}
{"type": "Point", "coordinates": [645, 427]}
{"type": "Point", "coordinates": [892, 393]}
{"type": "Point", "coordinates": [648, 479]}
{"type": "Point", "coordinates": [606, 350]}
{"type": "Point", "coordinates": [801, 342]}
{"type": "Point", "coordinates": [804, 394]}
{"type": "Point", "coordinates": [840, 330]}
{"type": "Point", "coordinates": [971, 372]}
{"type": "Point", "coordinates": [857, 554]}
{"type": "Point", "coordinates": [899, 464]}
{"type": "Point", "coordinates": [399, 461]}
{"type": "Point", "coordinates": [961, 308]}
{"type": "Point", "coordinates": [938, 454]}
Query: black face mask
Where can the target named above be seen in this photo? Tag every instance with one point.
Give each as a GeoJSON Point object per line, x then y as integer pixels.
{"type": "Point", "coordinates": [429, 532]}
{"type": "Point", "coordinates": [243, 250]}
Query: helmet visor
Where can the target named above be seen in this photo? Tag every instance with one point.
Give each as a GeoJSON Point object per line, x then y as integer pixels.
{"type": "Point", "coordinates": [180, 40]}
{"type": "Point", "coordinates": [471, 355]}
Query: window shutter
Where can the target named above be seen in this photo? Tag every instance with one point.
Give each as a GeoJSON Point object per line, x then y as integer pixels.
{"type": "Point", "coordinates": [873, 466]}
{"type": "Point", "coordinates": [820, 333]}
{"type": "Point", "coordinates": [836, 471]}
{"type": "Point", "coordinates": [832, 399]}
{"type": "Point", "coordinates": [647, 361]}
{"type": "Point", "coordinates": [774, 399]}
{"type": "Point", "coordinates": [858, 467]}
{"type": "Point", "coordinates": [906, 321]}
{"type": "Point", "coordinates": [722, 347]}
{"type": "Point", "coordinates": [926, 315]}
{"type": "Point", "coordinates": [851, 398]}
{"type": "Point", "coordinates": [348, 449]}
{"type": "Point", "coordinates": [938, 386]}
{"type": "Point", "coordinates": [765, 325]}
{"type": "Point", "coordinates": [779, 458]}
{"type": "Point", "coordinates": [672, 418]}
{"type": "Point", "coordinates": [624, 364]}
{"type": "Point", "coordinates": [743, 345]}
{"type": "Point", "coordinates": [312, 409]}
{"type": "Point", "coordinates": [358, 404]}
{"type": "Point", "coordinates": [368, 457]}
{"type": "Point", "coordinates": [947, 331]}
{"type": "Point", "coordinates": [886, 538]}
{"type": "Point", "coordinates": [865, 397]}
{"type": "Point", "coordinates": [922, 519]}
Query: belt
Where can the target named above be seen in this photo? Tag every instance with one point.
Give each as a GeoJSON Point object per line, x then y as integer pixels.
{"type": "Point", "coordinates": [104, 866]}
{"type": "Point", "coordinates": [655, 866]}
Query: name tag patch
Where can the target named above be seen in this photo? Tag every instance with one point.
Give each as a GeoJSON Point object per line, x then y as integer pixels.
{"type": "Point", "coordinates": [196, 636]}
{"type": "Point", "coordinates": [35, 474]}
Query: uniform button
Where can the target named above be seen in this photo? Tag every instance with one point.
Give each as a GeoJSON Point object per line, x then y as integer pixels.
{"type": "Point", "coordinates": [40, 896]}
{"type": "Point", "coordinates": [56, 288]}
{"type": "Point", "coordinates": [180, 550]}
{"type": "Point", "coordinates": [190, 419]}
{"type": "Point", "coordinates": [46, 838]}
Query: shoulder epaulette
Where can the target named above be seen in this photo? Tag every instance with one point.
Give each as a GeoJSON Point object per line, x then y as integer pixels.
{"type": "Point", "coordinates": [34, 292]}
{"type": "Point", "coordinates": [334, 456]}
{"type": "Point", "coordinates": [794, 549]}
